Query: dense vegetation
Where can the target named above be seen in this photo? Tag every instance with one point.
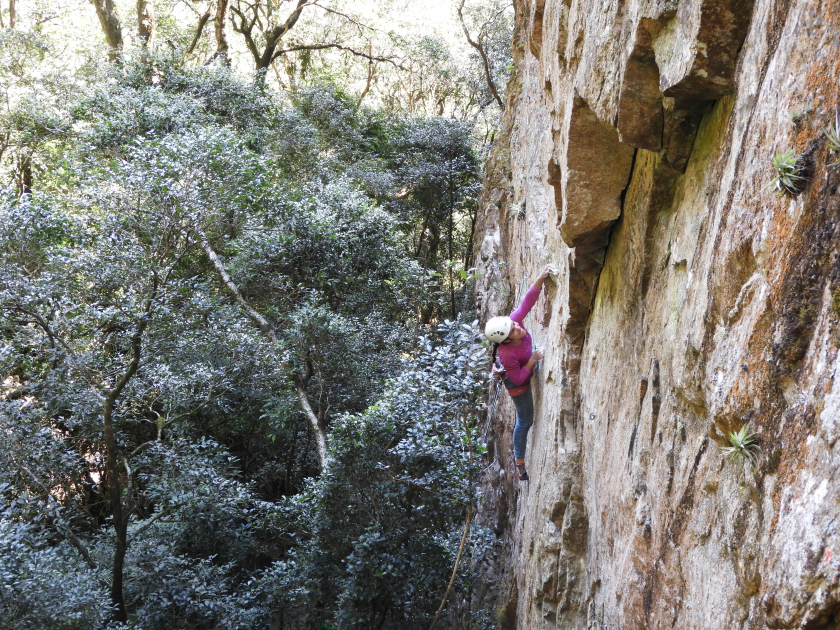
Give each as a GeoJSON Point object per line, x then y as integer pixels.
{"type": "Point", "coordinates": [239, 382]}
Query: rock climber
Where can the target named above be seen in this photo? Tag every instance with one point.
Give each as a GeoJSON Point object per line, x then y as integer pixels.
{"type": "Point", "coordinates": [515, 365]}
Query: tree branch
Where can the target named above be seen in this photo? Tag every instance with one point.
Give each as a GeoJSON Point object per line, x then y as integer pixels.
{"type": "Point", "coordinates": [152, 521]}
{"type": "Point", "coordinates": [274, 36]}
{"type": "Point", "coordinates": [340, 47]}
{"type": "Point", "coordinates": [454, 569]}
{"type": "Point", "coordinates": [320, 434]}
{"type": "Point", "coordinates": [245, 29]}
{"type": "Point", "coordinates": [201, 22]}
{"type": "Point", "coordinates": [44, 326]}
{"type": "Point", "coordinates": [269, 332]}
{"type": "Point", "coordinates": [136, 342]}
{"type": "Point", "coordinates": [69, 532]}
{"type": "Point", "coordinates": [129, 485]}
{"type": "Point", "coordinates": [253, 314]}
{"type": "Point", "coordinates": [361, 26]}
{"type": "Point", "coordinates": [477, 45]}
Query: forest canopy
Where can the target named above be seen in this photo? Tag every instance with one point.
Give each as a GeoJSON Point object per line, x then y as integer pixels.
{"type": "Point", "coordinates": [240, 380]}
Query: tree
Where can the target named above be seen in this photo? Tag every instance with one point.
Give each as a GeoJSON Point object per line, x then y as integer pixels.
{"type": "Point", "coordinates": [126, 280]}
{"type": "Point", "coordinates": [434, 161]}
{"type": "Point", "coordinates": [209, 300]}
{"type": "Point", "coordinates": [263, 15]}
{"type": "Point", "coordinates": [402, 480]}
{"type": "Point", "coordinates": [111, 26]}
{"type": "Point", "coordinates": [490, 22]}
{"type": "Point", "coordinates": [146, 25]}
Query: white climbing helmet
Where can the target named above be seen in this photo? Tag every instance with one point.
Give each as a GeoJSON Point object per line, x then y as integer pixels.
{"type": "Point", "coordinates": [498, 329]}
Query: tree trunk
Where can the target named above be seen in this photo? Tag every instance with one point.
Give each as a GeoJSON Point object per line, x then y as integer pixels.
{"type": "Point", "coordinates": [468, 256]}
{"type": "Point", "coordinates": [120, 524]}
{"type": "Point", "coordinates": [369, 77]}
{"type": "Point", "coordinates": [221, 34]}
{"type": "Point", "coordinates": [450, 229]}
{"type": "Point", "coordinates": [290, 462]}
{"type": "Point", "coordinates": [111, 26]}
{"type": "Point", "coordinates": [454, 570]}
{"type": "Point", "coordinates": [122, 513]}
{"type": "Point", "coordinates": [12, 14]}
{"type": "Point", "coordinates": [146, 26]}
{"type": "Point", "coordinates": [25, 176]}
{"type": "Point", "coordinates": [430, 261]}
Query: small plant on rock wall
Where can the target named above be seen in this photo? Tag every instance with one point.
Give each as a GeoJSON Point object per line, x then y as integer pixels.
{"type": "Point", "coordinates": [516, 210]}
{"type": "Point", "coordinates": [742, 446]}
{"type": "Point", "coordinates": [832, 136]}
{"type": "Point", "coordinates": [798, 113]}
{"type": "Point", "coordinates": [498, 270]}
{"type": "Point", "coordinates": [789, 179]}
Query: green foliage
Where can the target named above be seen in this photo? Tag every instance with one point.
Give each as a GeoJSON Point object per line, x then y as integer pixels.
{"type": "Point", "coordinates": [788, 180]}
{"type": "Point", "coordinates": [122, 105]}
{"type": "Point", "coordinates": [742, 446]}
{"type": "Point", "coordinates": [377, 532]}
{"type": "Point", "coordinates": [44, 584]}
{"type": "Point", "coordinates": [349, 230]}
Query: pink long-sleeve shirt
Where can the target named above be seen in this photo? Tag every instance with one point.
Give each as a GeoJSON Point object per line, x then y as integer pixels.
{"type": "Point", "coordinates": [514, 357]}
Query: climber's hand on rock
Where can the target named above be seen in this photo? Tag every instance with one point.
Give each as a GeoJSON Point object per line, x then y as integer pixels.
{"type": "Point", "coordinates": [539, 353]}
{"type": "Point", "coordinates": [546, 272]}
{"type": "Point", "coordinates": [549, 270]}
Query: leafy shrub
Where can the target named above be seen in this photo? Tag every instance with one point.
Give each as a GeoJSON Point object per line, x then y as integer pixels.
{"type": "Point", "coordinates": [378, 531]}
{"type": "Point", "coordinates": [46, 586]}
{"type": "Point", "coordinates": [832, 136]}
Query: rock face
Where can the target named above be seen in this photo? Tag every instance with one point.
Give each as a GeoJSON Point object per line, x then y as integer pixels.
{"type": "Point", "coordinates": [692, 300]}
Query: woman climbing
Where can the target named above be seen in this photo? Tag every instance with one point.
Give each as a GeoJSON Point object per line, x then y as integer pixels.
{"type": "Point", "coordinates": [517, 357]}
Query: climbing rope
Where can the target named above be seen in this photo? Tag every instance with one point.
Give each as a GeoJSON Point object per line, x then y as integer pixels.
{"type": "Point", "coordinates": [521, 289]}
{"type": "Point", "coordinates": [492, 411]}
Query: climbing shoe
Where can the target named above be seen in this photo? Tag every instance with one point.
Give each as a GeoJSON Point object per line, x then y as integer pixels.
{"type": "Point", "coordinates": [520, 472]}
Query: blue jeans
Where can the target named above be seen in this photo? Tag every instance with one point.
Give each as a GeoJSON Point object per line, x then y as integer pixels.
{"type": "Point", "coordinates": [524, 404]}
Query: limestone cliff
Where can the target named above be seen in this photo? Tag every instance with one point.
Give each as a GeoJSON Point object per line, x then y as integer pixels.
{"type": "Point", "coordinates": [692, 299]}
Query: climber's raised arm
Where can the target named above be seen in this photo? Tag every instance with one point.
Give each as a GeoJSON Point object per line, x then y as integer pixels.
{"type": "Point", "coordinates": [531, 296]}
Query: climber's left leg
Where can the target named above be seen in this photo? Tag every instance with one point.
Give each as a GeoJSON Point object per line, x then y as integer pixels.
{"type": "Point", "coordinates": [524, 404]}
